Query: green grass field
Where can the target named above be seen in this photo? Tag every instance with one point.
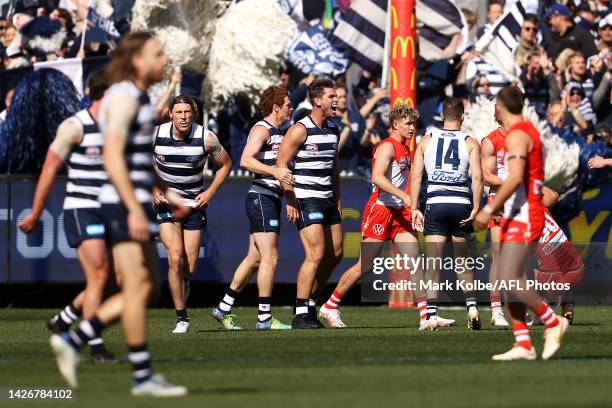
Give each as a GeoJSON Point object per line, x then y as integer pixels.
{"type": "Point", "coordinates": [382, 361]}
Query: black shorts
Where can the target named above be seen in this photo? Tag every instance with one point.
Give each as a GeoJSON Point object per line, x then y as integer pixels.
{"type": "Point", "coordinates": [115, 221]}
{"type": "Point", "coordinates": [263, 211]}
{"type": "Point", "coordinates": [443, 219]}
{"type": "Point", "coordinates": [81, 224]}
{"type": "Point", "coordinates": [196, 220]}
{"type": "Point", "coordinates": [317, 211]}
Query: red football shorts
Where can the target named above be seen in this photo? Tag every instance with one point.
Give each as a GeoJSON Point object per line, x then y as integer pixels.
{"type": "Point", "coordinates": [384, 223]}
{"type": "Point", "coordinates": [516, 231]}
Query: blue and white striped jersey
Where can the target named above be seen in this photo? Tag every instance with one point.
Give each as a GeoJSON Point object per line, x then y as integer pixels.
{"type": "Point", "coordinates": [263, 183]}
{"type": "Point", "coordinates": [314, 161]}
{"type": "Point", "coordinates": [85, 171]}
{"type": "Point", "coordinates": [447, 161]}
{"type": "Point", "coordinates": [180, 162]}
{"type": "Point", "coordinates": [138, 149]}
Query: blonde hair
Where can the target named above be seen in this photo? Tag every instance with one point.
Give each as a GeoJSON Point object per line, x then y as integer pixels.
{"type": "Point", "coordinates": [401, 111]}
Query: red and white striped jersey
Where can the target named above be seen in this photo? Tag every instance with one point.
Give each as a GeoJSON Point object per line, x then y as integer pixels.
{"type": "Point", "coordinates": [555, 252]}
{"type": "Point", "coordinates": [397, 172]}
{"type": "Point", "coordinates": [525, 204]}
{"type": "Point", "coordinates": [498, 139]}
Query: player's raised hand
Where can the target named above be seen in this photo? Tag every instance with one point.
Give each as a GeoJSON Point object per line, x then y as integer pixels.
{"type": "Point", "coordinates": [468, 221]}
{"type": "Point", "coordinates": [138, 225]}
{"type": "Point", "coordinates": [417, 220]}
{"type": "Point", "coordinates": [284, 175]}
{"type": "Point", "coordinates": [28, 224]}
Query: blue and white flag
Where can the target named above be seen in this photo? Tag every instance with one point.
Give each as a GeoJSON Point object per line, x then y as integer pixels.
{"type": "Point", "coordinates": [103, 23]}
{"type": "Point", "coordinates": [361, 31]}
{"type": "Point", "coordinates": [312, 53]}
{"type": "Point", "coordinates": [499, 43]}
{"type": "Point", "coordinates": [438, 21]}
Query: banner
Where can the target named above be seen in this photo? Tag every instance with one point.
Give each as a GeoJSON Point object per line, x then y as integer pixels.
{"type": "Point", "coordinates": [312, 53]}
{"type": "Point", "coordinates": [46, 256]}
{"type": "Point", "coordinates": [102, 23]}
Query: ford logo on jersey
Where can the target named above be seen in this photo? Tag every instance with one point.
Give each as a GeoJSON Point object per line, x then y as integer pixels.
{"type": "Point", "coordinates": [193, 159]}
{"type": "Point", "coordinates": [440, 175]}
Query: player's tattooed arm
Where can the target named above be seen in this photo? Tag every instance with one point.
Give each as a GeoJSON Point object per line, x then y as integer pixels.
{"type": "Point", "coordinates": [518, 145]}
{"type": "Point", "coordinates": [69, 133]}
{"type": "Point", "coordinates": [383, 156]}
{"type": "Point", "coordinates": [489, 164]}
{"type": "Point", "coordinates": [222, 161]}
{"type": "Point", "coordinates": [416, 173]}
{"type": "Point", "coordinates": [257, 138]}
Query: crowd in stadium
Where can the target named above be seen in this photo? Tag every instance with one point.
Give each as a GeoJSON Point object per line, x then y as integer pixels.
{"type": "Point", "coordinates": [563, 57]}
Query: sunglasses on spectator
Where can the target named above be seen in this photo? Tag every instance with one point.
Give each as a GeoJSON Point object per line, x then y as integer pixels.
{"type": "Point", "coordinates": [483, 84]}
{"type": "Point", "coordinates": [533, 29]}
{"type": "Point", "coordinates": [575, 93]}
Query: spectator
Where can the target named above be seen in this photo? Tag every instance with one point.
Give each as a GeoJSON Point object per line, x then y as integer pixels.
{"type": "Point", "coordinates": [481, 88]}
{"type": "Point", "coordinates": [586, 18]}
{"type": "Point", "coordinates": [7, 103]}
{"type": "Point", "coordinates": [495, 9]}
{"type": "Point", "coordinates": [576, 103]}
{"type": "Point", "coordinates": [351, 125]}
{"type": "Point", "coordinates": [369, 139]}
{"type": "Point", "coordinates": [13, 58]}
{"type": "Point", "coordinates": [471, 19]}
{"type": "Point", "coordinates": [478, 66]}
{"type": "Point", "coordinates": [564, 122]}
{"type": "Point", "coordinates": [528, 39]}
{"type": "Point", "coordinates": [577, 77]}
{"type": "Point", "coordinates": [63, 16]}
{"type": "Point", "coordinates": [605, 34]}
{"type": "Point", "coordinates": [602, 96]}
{"type": "Point", "coordinates": [566, 34]}
{"type": "Point", "coordinates": [9, 34]}
{"type": "Point", "coordinates": [539, 82]}
{"type": "Point", "coordinates": [603, 8]}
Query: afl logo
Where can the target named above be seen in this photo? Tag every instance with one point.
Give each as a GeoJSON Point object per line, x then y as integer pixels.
{"type": "Point", "coordinates": [403, 163]}
{"type": "Point", "coordinates": [193, 159]}
{"type": "Point", "coordinates": [93, 151]}
{"type": "Point", "coordinates": [161, 158]}
{"type": "Point", "coordinates": [378, 229]}
{"type": "Point", "coordinates": [312, 148]}
{"type": "Point", "coordinates": [334, 146]}
{"type": "Point", "coordinates": [275, 147]}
